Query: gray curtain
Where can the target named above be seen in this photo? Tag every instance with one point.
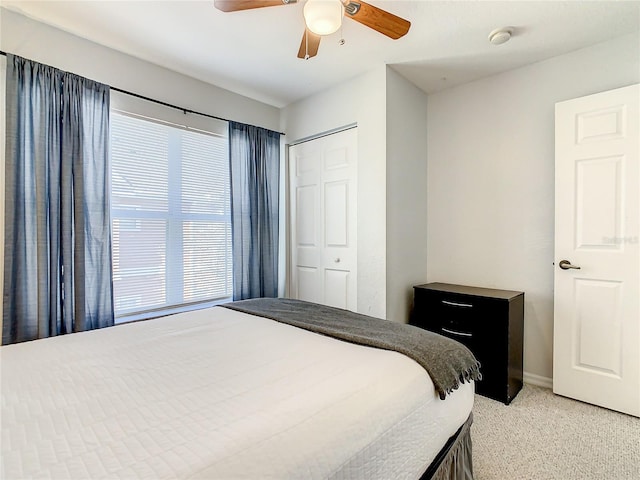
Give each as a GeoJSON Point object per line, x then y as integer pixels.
{"type": "Point", "coordinates": [57, 265]}
{"type": "Point", "coordinates": [254, 155]}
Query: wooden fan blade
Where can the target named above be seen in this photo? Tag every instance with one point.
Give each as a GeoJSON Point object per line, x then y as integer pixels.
{"type": "Point", "coordinates": [236, 5]}
{"type": "Point", "coordinates": [380, 20]}
{"type": "Point", "coordinates": [309, 45]}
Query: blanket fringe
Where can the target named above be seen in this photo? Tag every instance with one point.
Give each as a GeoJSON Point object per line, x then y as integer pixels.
{"type": "Point", "coordinates": [472, 373]}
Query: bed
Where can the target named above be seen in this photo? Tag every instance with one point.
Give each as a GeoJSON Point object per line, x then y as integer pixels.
{"type": "Point", "coordinates": [227, 393]}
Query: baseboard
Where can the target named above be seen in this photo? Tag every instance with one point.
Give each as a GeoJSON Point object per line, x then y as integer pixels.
{"type": "Point", "coordinates": [537, 380]}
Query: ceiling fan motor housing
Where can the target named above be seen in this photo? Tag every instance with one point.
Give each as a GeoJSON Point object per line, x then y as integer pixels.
{"type": "Point", "coordinates": [319, 23]}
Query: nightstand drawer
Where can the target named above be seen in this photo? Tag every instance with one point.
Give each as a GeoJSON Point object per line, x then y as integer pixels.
{"type": "Point", "coordinates": [461, 314]}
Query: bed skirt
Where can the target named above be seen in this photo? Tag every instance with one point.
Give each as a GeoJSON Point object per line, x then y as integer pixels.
{"type": "Point", "coordinates": [454, 461]}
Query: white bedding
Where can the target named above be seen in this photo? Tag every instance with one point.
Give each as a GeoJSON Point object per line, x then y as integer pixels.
{"type": "Point", "coordinates": [217, 393]}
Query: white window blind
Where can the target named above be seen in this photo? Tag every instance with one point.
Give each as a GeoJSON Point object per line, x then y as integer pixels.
{"type": "Point", "coordinates": [171, 221]}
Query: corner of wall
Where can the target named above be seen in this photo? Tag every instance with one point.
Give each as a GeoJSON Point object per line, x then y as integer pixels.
{"type": "Point", "coordinates": [406, 179]}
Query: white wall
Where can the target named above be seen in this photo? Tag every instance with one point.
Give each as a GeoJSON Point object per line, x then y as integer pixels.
{"type": "Point", "coordinates": [362, 101]}
{"type": "Point", "coordinates": [406, 193]}
{"type": "Point", "coordinates": [491, 178]}
{"type": "Point", "coordinates": [34, 40]}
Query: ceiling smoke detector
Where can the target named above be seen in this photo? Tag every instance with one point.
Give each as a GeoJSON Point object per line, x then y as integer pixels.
{"type": "Point", "coordinates": [500, 35]}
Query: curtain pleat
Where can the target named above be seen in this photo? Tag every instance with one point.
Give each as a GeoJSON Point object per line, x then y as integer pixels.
{"type": "Point", "coordinates": [254, 155]}
{"type": "Point", "coordinates": [57, 219]}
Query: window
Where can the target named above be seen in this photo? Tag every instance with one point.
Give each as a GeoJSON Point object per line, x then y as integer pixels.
{"type": "Point", "coordinates": [171, 221]}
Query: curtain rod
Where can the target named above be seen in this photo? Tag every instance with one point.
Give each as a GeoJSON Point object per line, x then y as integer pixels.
{"type": "Point", "coordinates": [148, 99]}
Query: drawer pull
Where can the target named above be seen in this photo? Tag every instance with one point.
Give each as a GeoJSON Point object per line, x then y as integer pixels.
{"type": "Point", "coordinates": [454, 304]}
{"type": "Point", "coordinates": [453, 332]}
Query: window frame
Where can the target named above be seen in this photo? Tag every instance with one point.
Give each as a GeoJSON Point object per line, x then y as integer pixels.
{"type": "Point", "coordinates": [174, 217]}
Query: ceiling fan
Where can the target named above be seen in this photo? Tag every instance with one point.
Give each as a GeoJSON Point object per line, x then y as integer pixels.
{"type": "Point", "coordinates": [324, 17]}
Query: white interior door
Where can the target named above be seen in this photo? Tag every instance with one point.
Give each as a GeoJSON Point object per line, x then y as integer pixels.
{"type": "Point", "coordinates": [323, 201]}
{"type": "Point", "coordinates": [597, 312]}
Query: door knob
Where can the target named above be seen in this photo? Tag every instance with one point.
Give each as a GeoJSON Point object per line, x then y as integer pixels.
{"type": "Point", "coordinates": [566, 265]}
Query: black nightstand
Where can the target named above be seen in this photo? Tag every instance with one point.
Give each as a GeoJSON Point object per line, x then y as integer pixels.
{"type": "Point", "coordinates": [487, 321]}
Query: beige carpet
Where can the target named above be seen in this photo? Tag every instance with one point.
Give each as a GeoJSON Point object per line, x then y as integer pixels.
{"type": "Point", "coordinates": [542, 436]}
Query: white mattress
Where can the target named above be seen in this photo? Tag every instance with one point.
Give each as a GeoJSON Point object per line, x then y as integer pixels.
{"type": "Point", "coordinates": [218, 394]}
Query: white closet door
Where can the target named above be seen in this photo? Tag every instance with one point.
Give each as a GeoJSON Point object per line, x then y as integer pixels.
{"type": "Point", "coordinates": [323, 197]}
{"type": "Point", "coordinates": [597, 285]}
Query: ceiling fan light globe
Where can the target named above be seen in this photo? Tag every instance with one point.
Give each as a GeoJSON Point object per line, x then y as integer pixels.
{"type": "Point", "coordinates": [323, 17]}
{"type": "Point", "coordinates": [323, 27]}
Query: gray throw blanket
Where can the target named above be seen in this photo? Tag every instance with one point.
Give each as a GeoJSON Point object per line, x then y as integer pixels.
{"type": "Point", "coordinates": [448, 362]}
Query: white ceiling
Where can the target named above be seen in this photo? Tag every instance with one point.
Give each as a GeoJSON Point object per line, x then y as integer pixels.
{"type": "Point", "coordinates": [254, 52]}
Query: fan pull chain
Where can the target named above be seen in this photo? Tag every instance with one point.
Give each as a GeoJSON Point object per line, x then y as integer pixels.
{"type": "Point", "coordinates": [341, 41]}
{"type": "Point", "coordinates": [306, 44]}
